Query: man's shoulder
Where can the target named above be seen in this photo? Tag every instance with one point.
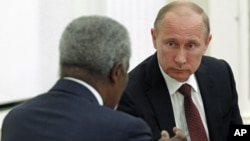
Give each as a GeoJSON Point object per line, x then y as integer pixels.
{"type": "Point", "coordinates": [144, 67]}
{"type": "Point", "coordinates": [212, 60]}
{"type": "Point", "coordinates": [215, 66]}
{"type": "Point", "coordinates": [214, 63]}
{"type": "Point", "coordinates": [117, 115]}
{"type": "Point", "coordinates": [131, 121]}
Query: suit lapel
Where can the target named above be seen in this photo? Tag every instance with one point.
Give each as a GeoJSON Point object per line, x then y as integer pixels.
{"type": "Point", "coordinates": [158, 96]}
{"type": "Point", "coordinates": [209, 98]}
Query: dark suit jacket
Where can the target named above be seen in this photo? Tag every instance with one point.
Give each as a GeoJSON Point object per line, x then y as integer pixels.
{"type": "Point", "coordinates": [70, 112]}
{"type": "Point", "coordinates": [148, 97]}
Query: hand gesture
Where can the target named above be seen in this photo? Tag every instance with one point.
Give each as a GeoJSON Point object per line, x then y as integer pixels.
{"type": "Point", "coordinates": [179, 135]}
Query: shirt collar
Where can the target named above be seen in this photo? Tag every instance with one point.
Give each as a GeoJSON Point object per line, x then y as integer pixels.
{"type": "Point", "coordinates": [92, 89]}
{"type": "Point", "coordinates": [173, 85]}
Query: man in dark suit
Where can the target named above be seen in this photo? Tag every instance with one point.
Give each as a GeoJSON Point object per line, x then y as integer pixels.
{"type": "Point", "coordinates": [94, 59]}
{"type": "Point", "coordinates": [181, 35]}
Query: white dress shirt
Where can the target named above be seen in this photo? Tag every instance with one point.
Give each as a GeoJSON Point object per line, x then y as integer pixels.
{"type": "Point", "coordinates": [177, 100]}
{"type": "Point", "coordinates": [92, 89]}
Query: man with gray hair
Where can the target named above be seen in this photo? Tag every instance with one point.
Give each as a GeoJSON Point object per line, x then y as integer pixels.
{"type": "Point", "coordinates": [94, 59]}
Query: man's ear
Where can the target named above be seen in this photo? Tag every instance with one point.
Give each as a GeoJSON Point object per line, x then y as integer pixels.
{"type": "Point", "coordinates": [116, 72]}
{"type": "Point", "coordinates": [207, 41]}
{"type": "Point", "coordinates": [153, 36]}
{"type": "Point", "coordinates": [209, 38]}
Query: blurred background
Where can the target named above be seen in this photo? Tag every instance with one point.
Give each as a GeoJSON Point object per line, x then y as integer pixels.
{"type": "Point", "coordinates": [30, 31]}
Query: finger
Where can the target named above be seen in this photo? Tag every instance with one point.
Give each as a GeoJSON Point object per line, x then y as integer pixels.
{"type": "Point", "coordinates": [164, 134]}
{"type": "Point", "coordinates": [178, 132]}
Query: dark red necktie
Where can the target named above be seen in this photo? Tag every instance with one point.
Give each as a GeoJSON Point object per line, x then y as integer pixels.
{"type": "Point", "coordinates": [194, 122]}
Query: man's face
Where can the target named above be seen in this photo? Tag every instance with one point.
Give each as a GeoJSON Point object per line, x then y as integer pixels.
{"type": "Point", "coordinates": [180, 41]}
{"type": "Point", "coordinates": [119, 80]}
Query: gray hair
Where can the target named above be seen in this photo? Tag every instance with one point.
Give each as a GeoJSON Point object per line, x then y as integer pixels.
{"type": "Point", "coordinates": [94, 44]}
{"type": "Point", "coordinates": [191, 5]}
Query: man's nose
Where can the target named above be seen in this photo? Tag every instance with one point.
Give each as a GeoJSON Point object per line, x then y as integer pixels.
{"type": "Point", "coordinates": [180, 57]}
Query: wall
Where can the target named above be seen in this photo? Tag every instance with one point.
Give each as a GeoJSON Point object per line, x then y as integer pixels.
{"type": "Point", "coordinates": [230, 29]}
{"type": "Point", "coordinates": [19, 55]}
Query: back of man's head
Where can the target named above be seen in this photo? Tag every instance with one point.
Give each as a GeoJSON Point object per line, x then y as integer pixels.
{"type": "Point", "coordinates": [93, 45]}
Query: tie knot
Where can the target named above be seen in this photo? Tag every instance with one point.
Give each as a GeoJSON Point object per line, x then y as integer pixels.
{"type": "Point", "coordinates": [185, 90]}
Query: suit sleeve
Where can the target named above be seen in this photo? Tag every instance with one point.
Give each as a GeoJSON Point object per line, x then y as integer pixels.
{"type": "Point", "coordinates": [236, 117]}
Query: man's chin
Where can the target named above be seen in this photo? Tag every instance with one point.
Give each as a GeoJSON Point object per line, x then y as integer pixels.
{"type": "Point", "coordinates": [180, 78]}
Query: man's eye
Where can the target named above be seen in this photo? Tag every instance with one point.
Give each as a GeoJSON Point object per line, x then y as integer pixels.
{"type": "Point", "coordinates": [171, 44]}
{"type": "Point", "coordinates": [191, 46]}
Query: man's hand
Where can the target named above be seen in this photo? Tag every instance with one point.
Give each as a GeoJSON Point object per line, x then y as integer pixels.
{"type": "Point", "coordinates": [179, 135]}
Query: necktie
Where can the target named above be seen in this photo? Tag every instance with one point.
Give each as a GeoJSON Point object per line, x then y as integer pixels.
{"type": "Point", "coordinates": [194, 122]}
